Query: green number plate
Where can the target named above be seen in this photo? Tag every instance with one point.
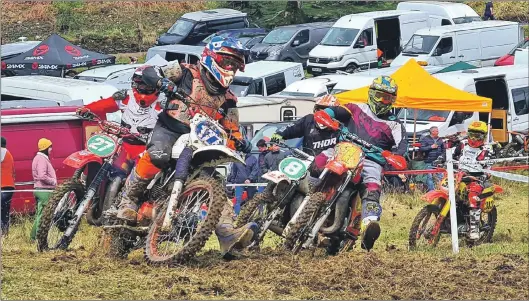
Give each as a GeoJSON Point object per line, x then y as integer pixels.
{"type": "Point", "coordinates": [101, 145]}
{"type": "Point", "coordinates": [293, 168]}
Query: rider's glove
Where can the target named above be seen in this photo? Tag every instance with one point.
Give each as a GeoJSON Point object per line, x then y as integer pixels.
{"type": "Point", "coordinates": [167, 86]}
{"type": "Point", "coordinates": [276, 138]}
{"type": "Point", "coordinates": [84, 112]}
{"type": "Point", "coordinates": [243, 145]}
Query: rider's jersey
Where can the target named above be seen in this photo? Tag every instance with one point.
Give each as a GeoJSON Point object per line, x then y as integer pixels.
{"type": "Point", "coordinates": [469, 158]}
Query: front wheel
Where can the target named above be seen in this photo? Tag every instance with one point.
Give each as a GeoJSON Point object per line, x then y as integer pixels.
{"type": "Point", "coordinates": [57, 214]}
{"type": "Point", "coordinates": [422, 226]}
{"type": "Point", "coordinates": [250, 211]}
{"type": "Point", "coordinates": [95, 216]}
{"type": "Point", "coordinates": [300, 229]}
{"type": "Point", "coordinates": [197, 213]}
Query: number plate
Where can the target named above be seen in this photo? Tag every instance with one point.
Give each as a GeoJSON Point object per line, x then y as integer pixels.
{"type": "Point", "coordinates": [209, 134]}
{"type": "Point", "coordinates": [101, 145]}
{"type": "Point", "coordinates": [293, 168]}
{"type": "Point", "coordinates": [316, 69]}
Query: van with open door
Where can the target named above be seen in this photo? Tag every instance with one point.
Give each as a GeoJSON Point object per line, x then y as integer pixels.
{"type": "Point", "coordinates": [477, 43]}
{"type": "Point", "coordinates": [442, 13]}
{"type": "Point", "coordinates": [507, 86]}
{"type": "Point", "coordinates": [353, 42]}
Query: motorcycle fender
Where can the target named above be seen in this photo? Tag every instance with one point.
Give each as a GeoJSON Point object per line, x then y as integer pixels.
{"type": "Point", "coordinates": [498, 189]}
{"type": "Point", "coordinates": [81, 158]}
{"type": "Point", "coordinates": [276, 176]}
{"type": "Point", "coordinates": [219, 149]}
{"type": "Point", "coordinates": [434, 196]}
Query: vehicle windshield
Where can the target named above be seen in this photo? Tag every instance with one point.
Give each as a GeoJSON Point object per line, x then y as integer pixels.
{"type": "Point", "coordinates": [462, 20]}
{"type": "Point", "coordinates": [267, 131]}
{"type": "Point", "coordinates": [279, 36]}
{"type": "Point", "coordinates": [522, 45]}
{"type": "Point", "coordinates": [296, 94]}
{"type": "Point", "coordinates": [337, 36]}
{"type": "Point", "coordinates": [239, 89]}
{"type": "Point", "coordinates": [419, 44]}
{"type": "Point", "coordinates": [181, 27]}
{"type": "Point", "coordinates": [424, 115]}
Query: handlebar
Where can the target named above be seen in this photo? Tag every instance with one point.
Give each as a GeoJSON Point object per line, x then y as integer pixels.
{"type": "Point", "coordinates": [294, 150]}
{"type": "Point", "coordinates": [112, 127]}
{"type": "Point", "coordinates": [354, 138]}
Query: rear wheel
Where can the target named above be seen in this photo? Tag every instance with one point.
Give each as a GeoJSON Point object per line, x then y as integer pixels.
{"type": "Point", "coordinates": [189, 229]}
{"type": "Point", "coordinates": [422, 226]}
{"type": "Point", "coordinates": [297, 234]}
{"type": "Point", "coordinates": [251, 211]}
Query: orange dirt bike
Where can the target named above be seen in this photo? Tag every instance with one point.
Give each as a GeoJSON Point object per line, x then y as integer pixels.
{"type": "Point", "coordinates": [518, 147]}
{"type": "Point", "coordinates": [434, 219]}
{"type": "Point", "coordinates": [100, 171]}
{"type": "Point", "coordinates": [331, 216]}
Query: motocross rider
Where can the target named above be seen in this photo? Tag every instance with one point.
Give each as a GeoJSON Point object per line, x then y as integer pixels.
{"type": "Point", "coordinates": [207, 85]}
{"type": "Point", "coordinates": [140, 106]}
{"type": "Point", "coordinates": [375, 123]}
{"type": "Point", "coordinates": [316, 136]}
{"type": "Point", "coordinates": [470, 152]}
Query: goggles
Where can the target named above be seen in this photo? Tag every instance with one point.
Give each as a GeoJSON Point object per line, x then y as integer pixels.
{"type": "Point", "coordinates": [384, 98]}
{"type": "Point", "coordinates": [479, 136]}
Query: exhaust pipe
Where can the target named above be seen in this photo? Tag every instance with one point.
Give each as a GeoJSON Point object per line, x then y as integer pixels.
{"type": "Point", "coordinates": [340, 211]}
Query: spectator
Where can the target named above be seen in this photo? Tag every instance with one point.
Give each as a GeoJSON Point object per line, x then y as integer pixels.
{"type": "Point", "coordinates": [433, 147]}
{"type": "Point", "coordinates": [489, 12]}
{"type": "Point", "coordinates": [272, 159]}
{"type": "Point", "coordinates": [44, 179]}
{"type": "Point", "coordinates": [246, 174]}
{"type": "Point", "coordinates": [263, 150]}
{"type": "Point", "coordinates": [8, 185]}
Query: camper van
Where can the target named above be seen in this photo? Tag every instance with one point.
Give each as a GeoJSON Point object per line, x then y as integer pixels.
{"type": "Point", "coordinates": [266, 78]}
{"type": "Point", "coordinates": [507, 87]}
{"type": "Point", "coordinates": [442, 13]}
{"type": "Point", "coordinates": [352, 43]}
{"type": "Point", "coordinates": [477, 43]}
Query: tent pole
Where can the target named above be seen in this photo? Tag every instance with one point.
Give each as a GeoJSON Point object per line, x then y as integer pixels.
{"type": "Point", "coordinates": [414, 132]}
{"type": "Point", "coordinates": [62, 72]}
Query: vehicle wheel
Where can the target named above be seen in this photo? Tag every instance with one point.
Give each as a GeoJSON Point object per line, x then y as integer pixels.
{"type": "Point", "coordinates": [296, 236]}
{"type": "Point", "coordinates": [288, 60]}
{"type": "Point", "coordinates": [250, 210]}
{"type": "Point", "coordinates": [94, 215]}
{"type": "Point", "coordinates": [189, 231]}
{"type": "Point", "coordinates": [490, 225]}
{"type": "Point", "coordinates": [57, 214]}
{"type": "Point", "coordinates": [422, 226]}
{"type": "Point", "coordinates": [118, 243]}
{"type": "Point", "coordinates": [352, 68]}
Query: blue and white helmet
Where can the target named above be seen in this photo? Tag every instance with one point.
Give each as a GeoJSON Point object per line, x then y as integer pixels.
{"type": "Point", "coordinates": [222, 57]}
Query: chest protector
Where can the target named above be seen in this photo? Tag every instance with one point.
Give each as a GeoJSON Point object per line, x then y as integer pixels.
{"type": "Point", "coordinates": [138, 119]}
{"type": "Point", "coordinates": [202, 101]}
{"type": "Point", "coordinates": [470, 157]}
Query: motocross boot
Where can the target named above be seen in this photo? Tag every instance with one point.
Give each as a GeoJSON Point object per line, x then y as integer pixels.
{"type": "Point", "coordinates": [231, 238]}
{"type": "Point", "coordinates": [371, 212]}
{"type": "Point", "coordinates": [475, 217]}
{"type": "Point", "coordinates": [130, 198]}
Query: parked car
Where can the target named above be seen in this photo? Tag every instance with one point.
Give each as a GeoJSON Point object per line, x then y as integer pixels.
{"type": "Point", "coordinates": [193, 27]}
{"type": "Point", "coordinates": [442, 13]}
{"type": "Point", "coordinates": [508, 59]}
{"type": "Point", "coordinates": [476, 43]}
{"type": "Point", "coordinates": [290, 43]}
{"type": "Point", "coordinates": [13, 49]}
{"type": "Point", "coordinates": [266, 78]}
{"type": "Point", "coordinates": [247, 36]}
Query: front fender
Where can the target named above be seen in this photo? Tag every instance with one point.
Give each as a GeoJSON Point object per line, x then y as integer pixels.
{"type": "Point", "coordinates": [213, 152]}
{"type": "Point", "coordinates": [276, 176]}
{"type": "Point", "coordinates": [433, 196]}
{"type": "Point", "coordinates": [81, 158]}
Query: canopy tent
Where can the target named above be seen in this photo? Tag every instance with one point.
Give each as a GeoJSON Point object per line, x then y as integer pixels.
{"type": "Point", "coordinates": [419, 90]}
{"type": "Point", "coordinates": [52, 57]}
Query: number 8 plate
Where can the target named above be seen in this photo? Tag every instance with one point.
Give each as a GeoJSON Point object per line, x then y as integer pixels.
{"type": "Point", "coordinates": [101, 145]}
{"type": "Point", "coordinates": [293, 168]}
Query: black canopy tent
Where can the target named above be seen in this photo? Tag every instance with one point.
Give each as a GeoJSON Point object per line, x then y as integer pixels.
{"type": "Point", "coordinates": [52, 57]}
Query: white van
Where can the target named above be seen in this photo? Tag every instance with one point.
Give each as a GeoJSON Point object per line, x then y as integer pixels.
{"type": "Point", "coordinates": [352, 43]}
{"type": "Point", "coordinates": [507, 86]}
{"type": "Point", "coordinates": [183, 53]}
{"type": "Point", "coordinates": [266, 78]}
{"type": "Point", "coordinates": [477, 43]}
{"type": "Point", "coordinates": [313, 87]}
{"type": "Point", "coordinates": [57, 89]}
{"type": "Point", "coordinates": [442, 13]}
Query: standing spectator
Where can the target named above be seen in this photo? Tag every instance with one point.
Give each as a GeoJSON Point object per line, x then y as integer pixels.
{"type": "Point", "coordinates": [489, 12]}
{"type": "Point", "coordinates": [263, 150]}
{"type": "Point", "coordinates": [246, 174]}
{"type": "Point", "coordinates": [44, 179]}
{"type": "Point", "coordinates": [8, 185]}
{"type": "Point", "coordinates": [433, 147]}
{"type": "Point", "coordinates": [272, 159]}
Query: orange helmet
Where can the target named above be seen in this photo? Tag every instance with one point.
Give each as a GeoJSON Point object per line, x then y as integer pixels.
{"type": "Point", "coordinates": [325, 102]}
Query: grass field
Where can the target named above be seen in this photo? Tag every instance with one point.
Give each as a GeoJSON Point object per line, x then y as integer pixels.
{"type": "Point", "coordinates": [491, 271]}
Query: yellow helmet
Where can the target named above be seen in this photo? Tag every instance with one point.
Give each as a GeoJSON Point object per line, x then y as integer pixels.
{"type": "Point", "coordinates": [477, 132]}
{"type": "Point", "coordinates": [382, 95]}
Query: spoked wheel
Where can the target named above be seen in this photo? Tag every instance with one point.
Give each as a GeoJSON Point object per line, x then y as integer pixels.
{"type": "Point", "coordinates": [197, 213]}
{"type": "Point", "coordinates": [252, 211]}
{"type": "Point", "coordinates": [421, 229]}
{"type": "Point", "coordinates": [57, 214]}
{"type": "Point", "coordinates": [488, 225]}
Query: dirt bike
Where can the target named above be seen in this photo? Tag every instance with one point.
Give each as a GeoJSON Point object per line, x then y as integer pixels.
{"type": "Point", "coordinates": [177, 217]}
{"type": "Point", "coordinates": [518, 147]}
{"type": "Point", "coordinates": [97, 163]}
{"type": "Point", "coordinates": [428, 230]}
{"type": "Point", "coordinates": [287, 187]}
{"type": "Point", "coordinates": [334, 208]}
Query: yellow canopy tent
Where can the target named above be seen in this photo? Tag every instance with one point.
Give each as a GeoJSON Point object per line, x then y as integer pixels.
{"type": "Point", "coordinates": [419, 90]}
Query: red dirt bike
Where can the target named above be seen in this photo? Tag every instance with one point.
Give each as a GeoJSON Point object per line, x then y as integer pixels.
{"type": "Point", "coordinates": [434, 219]}
{"type": "Point", "coordinates": [518, 147]}
{"type": "Point", "coordinates": [103, 167]}
{"type": "Point", "coordinates": [331, 217]}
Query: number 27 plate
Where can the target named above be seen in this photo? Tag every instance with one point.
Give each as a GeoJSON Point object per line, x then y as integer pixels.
{"type": "Point", "coordinates": [101, 145]}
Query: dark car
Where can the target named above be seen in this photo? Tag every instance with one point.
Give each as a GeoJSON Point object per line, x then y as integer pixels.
{"type": "Point", "coordinates": [290, 43]}
{"type": "Point", "coordinates": [193, 27]}
{"type": "Point", "coordinates": [247, 36]}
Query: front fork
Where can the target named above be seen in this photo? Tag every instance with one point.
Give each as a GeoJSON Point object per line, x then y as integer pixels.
{"type": "Point", "coordinates": [181, 173]}
{"type": "Point", "coordinates": [439, 222]}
